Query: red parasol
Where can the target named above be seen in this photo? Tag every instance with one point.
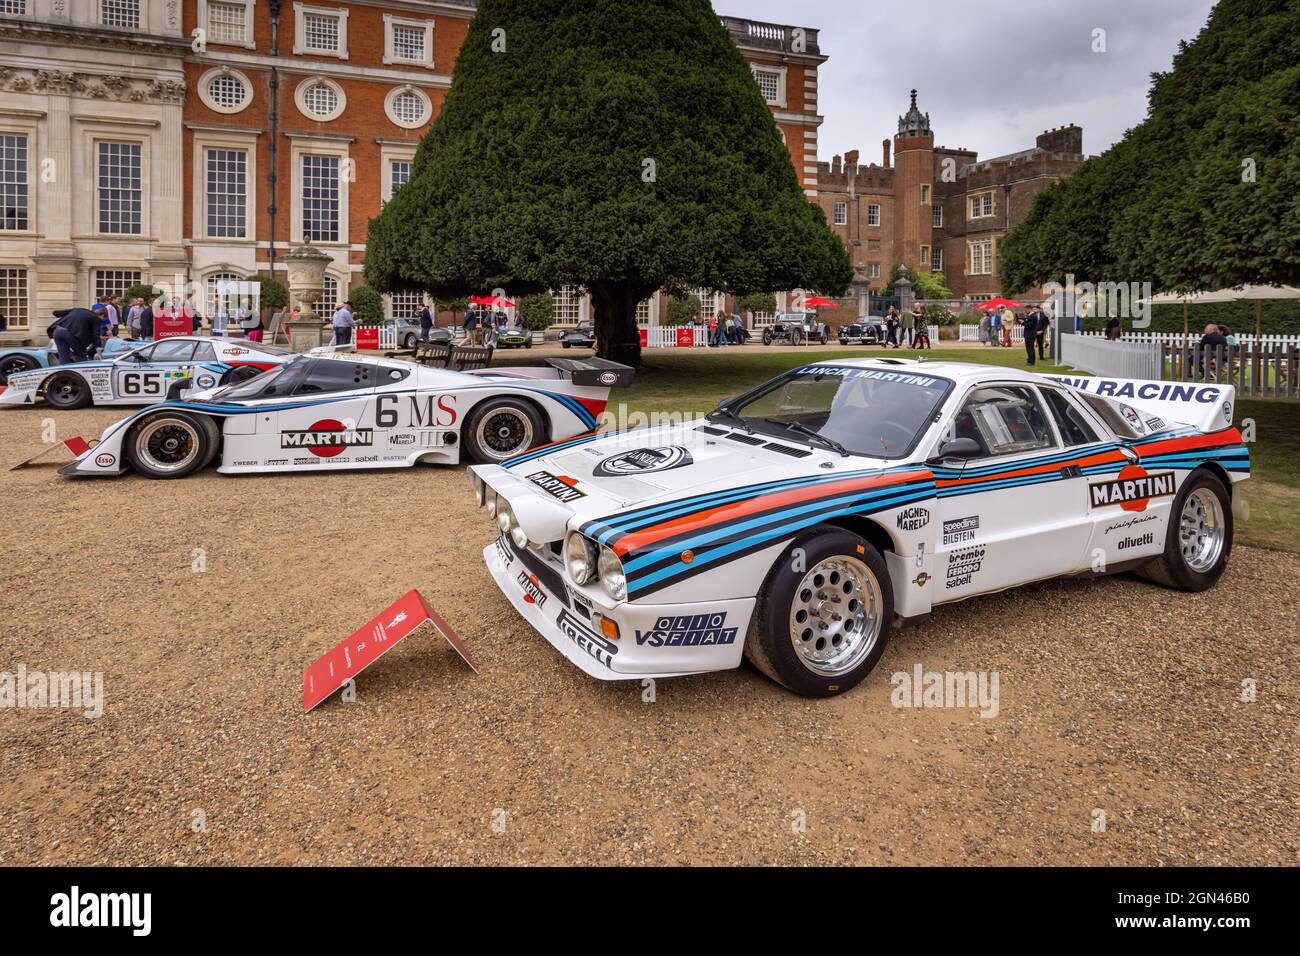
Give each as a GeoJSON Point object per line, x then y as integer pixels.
{"type": "Point", "coordinates": [816, 302]}
{"type": "Point", "coordinates": [1001, 304]}
{"type": "Point", "coordinates": [494, 301]}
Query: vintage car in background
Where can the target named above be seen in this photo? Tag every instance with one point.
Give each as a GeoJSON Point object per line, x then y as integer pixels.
{"type": "Point", "coordinates": [146, 374]}
{"type": "Point", "coordinates": [583, 337]}
{"type": "Point", "coordinates": [796, 328]}
{"type": "Point", "coordinates": [514, 338]}
{"type": "Point", "coordinates": [14, 360]}
{"type": "Point", "coordinates": [869, 330]}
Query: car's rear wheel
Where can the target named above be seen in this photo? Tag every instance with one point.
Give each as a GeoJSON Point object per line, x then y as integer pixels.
{"type": "Point", "coordinates": [67, 390]}
{"type": "Point", "coordinates": [13, 364]}
{"type": "Point", "coordinates": [823, 615]}
{"type": "Point", "coordinates": [502, 428]}
{"type": "Point", "coordinates": [1198, 540]}
{"type": "Point", "coordinates": [171, 444]}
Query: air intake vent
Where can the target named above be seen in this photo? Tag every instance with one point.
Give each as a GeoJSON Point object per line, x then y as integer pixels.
{"type": "Point", "coordinates": [710, 430]}
{"type": "Point", "coordinates": [745, 439]}
{"type": "Point", "coordinates": [788, 450]}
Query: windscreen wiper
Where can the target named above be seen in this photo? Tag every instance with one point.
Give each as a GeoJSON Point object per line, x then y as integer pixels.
{"type": "Point", "coordinates": [724, 412]}
{"type": "Point", "coordinates": [817, 436]}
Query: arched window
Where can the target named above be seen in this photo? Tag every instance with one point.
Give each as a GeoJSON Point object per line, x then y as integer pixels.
{"type": "Point", "coordinates": [216, 298]}
{"type": "Point", "coordinates": [329, 300]}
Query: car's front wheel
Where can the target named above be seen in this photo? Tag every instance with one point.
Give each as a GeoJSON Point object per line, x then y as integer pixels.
{"type": "Point", "coordinates": [172, 444]}
{"type": "Point", "coordinates": [824, 614]}
{"type": "Point", "coordinates": [767, 336]}
{"type": "Point", "coordinates": [502, 428]}
{"type": "Point", "coordinates": [67, 390]}
{"type": "Point", "coordinates": [409, 341]}
{"type": "Point", "coordinates": [1198, 540]}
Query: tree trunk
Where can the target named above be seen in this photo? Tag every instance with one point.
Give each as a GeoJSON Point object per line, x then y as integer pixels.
{"type": "Point", "coordinates": [614, 305]}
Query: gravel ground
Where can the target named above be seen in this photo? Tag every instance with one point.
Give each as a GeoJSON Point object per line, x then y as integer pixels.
{"type": "Point", "coordinates": [1115, 696]}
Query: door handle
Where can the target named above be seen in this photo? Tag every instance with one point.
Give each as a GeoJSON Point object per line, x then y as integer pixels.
{"type": "Point", "coordinates": [1072, 471]}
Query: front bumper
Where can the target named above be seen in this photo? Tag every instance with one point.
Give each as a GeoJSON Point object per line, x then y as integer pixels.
{"type": "Point", "coordinates": [654, 640]}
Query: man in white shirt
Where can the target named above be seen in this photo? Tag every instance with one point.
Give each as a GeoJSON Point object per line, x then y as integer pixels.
{"type": "Point", "coordinates": [343, 323]}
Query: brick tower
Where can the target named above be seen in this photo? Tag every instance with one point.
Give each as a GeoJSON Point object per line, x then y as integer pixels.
{"type": "Point", "coordinates": [914, 188]}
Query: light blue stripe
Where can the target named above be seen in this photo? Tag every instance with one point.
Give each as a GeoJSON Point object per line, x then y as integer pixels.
{"type": "Point", "coordinates": [858, 498]}
{"type": "Point", "coordinates": [775, 533]}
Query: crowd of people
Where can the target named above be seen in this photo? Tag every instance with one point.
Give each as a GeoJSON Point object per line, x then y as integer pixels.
{"type": "Point", "coordinates": [1036, 327]}
{"type": "Point", "coordinates": [909, 328]}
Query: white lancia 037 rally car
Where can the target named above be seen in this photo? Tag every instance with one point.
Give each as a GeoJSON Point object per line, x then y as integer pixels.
{"type": "Point", "coordinates": [800, 519]}
{"type": "Point", "coordinates": [330, 412]}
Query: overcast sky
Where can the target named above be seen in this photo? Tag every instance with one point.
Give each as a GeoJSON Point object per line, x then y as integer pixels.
{"type": "Point", "coordinates": [992, 74]}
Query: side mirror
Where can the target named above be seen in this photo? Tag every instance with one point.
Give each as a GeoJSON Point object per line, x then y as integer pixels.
{"type": "Point", "coordinates": [958, 448]}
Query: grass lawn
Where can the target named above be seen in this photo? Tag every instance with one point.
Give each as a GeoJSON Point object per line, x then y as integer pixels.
{"type": "Point", "coordinates": [695, 380]}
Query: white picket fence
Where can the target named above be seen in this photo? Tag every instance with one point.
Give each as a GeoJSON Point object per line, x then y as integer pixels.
{"type": "Point", "coordinates": [1112, 359]}
{"type": "Point", "coordinates": [388, 335]}
{"type": "Point", "coordinates": [971, 333]}
{"type": "Point", "coordinates": [1244, 337]}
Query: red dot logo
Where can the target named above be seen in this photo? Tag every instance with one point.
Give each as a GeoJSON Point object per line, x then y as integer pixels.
{"type": "Point", "coordinates": [328, 425]}
{"type": "Point", "coordinates": [1128, 473]}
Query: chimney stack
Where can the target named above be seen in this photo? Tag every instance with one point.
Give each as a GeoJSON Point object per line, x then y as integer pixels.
{"type": "Point", "coordinates": [851, 160]}
{"type": "Point", "coordinates": [835, 165]}
{"type": "Point", "coordinates": [885, 147]}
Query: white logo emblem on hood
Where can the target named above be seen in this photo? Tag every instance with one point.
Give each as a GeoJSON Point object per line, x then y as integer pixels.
{"type": "Point", "coordinates": [643, 461]}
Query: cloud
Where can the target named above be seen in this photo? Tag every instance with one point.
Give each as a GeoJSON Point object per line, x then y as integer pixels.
{"type": "Point", "coordinates": [992, 75]}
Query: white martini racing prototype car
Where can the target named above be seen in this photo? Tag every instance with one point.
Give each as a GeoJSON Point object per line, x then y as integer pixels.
{"type": "Point", "coordinates": [803, 517]}
{"type": "Point", "coordinates": [144, 375]}
{"type": "Point", "coordinates": [327, 412]}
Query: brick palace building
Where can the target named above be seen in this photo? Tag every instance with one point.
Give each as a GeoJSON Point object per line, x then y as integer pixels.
{"type": "Point", "coordinates": [936, 208]}
{"type": "Point", "coordinates": [149, 140]}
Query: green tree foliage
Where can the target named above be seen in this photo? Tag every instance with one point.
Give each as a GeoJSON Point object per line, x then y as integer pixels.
{"type": "Point", "coordinates": [1201, 195]}
{"type": "Point", "coordinates": [274, 295]}
{"type": "Point", "coordinates": [367, 305]}
{"type": "Point", "coordinates": [925, 285]}
{"type": "Point", "coordinates": [756, 302]}
{"type": "Point", "coordinates": [142, 290]}
{"type": "Point", "coordinates": [683, 309]}
{"type": "Point", "coordinates": [537, 310]}
{"type": "Point", "coordinates": [617, 145]}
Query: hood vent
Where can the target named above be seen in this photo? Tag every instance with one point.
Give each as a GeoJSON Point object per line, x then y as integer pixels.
{"type": "Point", "coordinates": [745, 439]}
{"type": "Point", "coordinates": [789, 450]}
{"type": "Point", "coordinates": [711, 430]}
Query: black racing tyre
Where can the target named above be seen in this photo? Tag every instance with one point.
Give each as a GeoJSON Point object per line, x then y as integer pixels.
{"type": "Point", "coordinates": [240, 373]}
{"type": "Point", "coordinates": [501, 428]}
{"type": "Point", "coordinates": [13, 364]}
{"type": "Point", "coordinates": [822, 621]}
{"type": "Point", "coordinates": [170, 444]}
{"type": "Point", "coordinates": [1198, 539]}
{"type": "Point", "coordinates": [67, 390]}
{"type": "Point", "coordinates": [213, 428]}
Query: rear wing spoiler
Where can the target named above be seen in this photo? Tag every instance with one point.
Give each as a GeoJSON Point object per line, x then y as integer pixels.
{"type": "Point", "coordinates": [1206, 405]}
{"type": "Point", "coordinates": [596, 372]}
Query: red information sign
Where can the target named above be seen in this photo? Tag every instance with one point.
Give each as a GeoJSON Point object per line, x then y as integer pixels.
{"type": "Point", "coordinates": [367, 336]}
{"type": "Point", "coordinates": [169, 323]}
{"type": "Point", "coordinates": [685, 336]}
{"type": "Point", "coordinates": [403, 618]}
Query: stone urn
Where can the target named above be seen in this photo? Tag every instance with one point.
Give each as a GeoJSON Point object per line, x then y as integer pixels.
{"type": "Point", "coordinates": [306, 267]}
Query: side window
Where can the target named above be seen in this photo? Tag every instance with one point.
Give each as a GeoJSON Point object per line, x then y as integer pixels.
{"type": "Point", "coordinates": [204, 352]}
{"type": "Point", "coordinates": [327, 375]}
{"type": "Point", "coordinates": [166, 351]}
{"type": "Point", "coordinates": [1004, 420]}
{"type": "Point", "coordinates": [1074, 428]}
